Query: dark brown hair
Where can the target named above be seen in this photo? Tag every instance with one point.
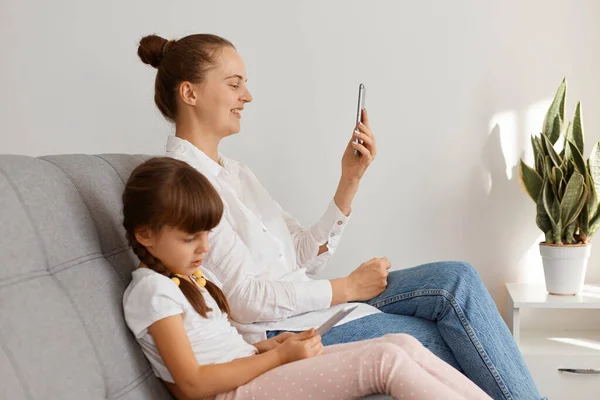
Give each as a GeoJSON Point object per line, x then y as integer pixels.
{"type": "Point", "coordinates": [187, 59]}
{"type": "Point", "coordinates": [167, 192]}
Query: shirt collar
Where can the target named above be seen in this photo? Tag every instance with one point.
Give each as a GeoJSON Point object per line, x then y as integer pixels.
{"type": "Point", "coordinates": [185, 148]}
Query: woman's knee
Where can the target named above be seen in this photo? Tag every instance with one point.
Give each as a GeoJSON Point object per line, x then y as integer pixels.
{"type": "Point", "coordinates": [457, 271]}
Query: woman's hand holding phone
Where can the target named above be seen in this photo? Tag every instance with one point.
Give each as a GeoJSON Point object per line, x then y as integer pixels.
{"type": "Point", "coordinates": [354, 167]}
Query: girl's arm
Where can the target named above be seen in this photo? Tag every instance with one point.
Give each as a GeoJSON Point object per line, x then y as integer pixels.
{"type": "Point", "coordinates": [196, 381]}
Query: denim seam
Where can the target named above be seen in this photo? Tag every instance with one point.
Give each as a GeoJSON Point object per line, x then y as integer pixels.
{"type": "Point", "coordinates": [448, 296]}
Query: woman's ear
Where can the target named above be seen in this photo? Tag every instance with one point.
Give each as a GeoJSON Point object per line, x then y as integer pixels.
{"type": "Point", "coordinates": [144, 236]}
{"type": "Point", "coordinates": [188, 94]}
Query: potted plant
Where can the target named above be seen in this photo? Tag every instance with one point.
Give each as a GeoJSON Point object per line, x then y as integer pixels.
{"type": "Point", "coordinates": [565, 189]}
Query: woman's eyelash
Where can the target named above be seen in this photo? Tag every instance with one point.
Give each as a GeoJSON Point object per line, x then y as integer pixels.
{"type": "Point", "coordinates": [235, 86]}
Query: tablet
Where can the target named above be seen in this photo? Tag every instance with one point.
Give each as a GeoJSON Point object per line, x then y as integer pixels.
{"type": "Point", "coordinates": [337, 317]}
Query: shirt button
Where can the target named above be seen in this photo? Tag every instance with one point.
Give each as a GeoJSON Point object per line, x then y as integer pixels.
{"type": "Point", "coordinates": [332, 234]}
{"type": "Point", "coordinates": [340, 222]}
{"type": "Point", "coordinates": [281, 255]}
{"type": "Point", "coordinates": [264, 229]}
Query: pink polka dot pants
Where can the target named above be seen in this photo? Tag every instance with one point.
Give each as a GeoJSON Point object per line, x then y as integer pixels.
{"type": "Point", "coordinates": [397, 365]}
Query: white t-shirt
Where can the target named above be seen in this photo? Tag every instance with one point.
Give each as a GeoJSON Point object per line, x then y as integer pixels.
{"type": "Point", "coordinates": [151, 297]}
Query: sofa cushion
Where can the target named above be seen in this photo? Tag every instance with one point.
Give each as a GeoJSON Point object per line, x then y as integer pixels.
{"type": "Point", "coordinates": [65, 267]}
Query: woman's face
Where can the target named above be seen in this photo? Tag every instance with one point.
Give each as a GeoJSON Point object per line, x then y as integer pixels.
{"type": "Point", "coordinates": [221, 97]}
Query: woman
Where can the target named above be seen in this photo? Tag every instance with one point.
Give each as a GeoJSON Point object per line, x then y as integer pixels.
{"type": "Point", "coordinates": [261, 256]}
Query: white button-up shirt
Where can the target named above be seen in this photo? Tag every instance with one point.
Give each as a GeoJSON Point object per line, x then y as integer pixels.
{"type": "Point", "coordinates": [261, 255]}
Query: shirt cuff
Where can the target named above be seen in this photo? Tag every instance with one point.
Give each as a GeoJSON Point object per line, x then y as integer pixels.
{"type": "Point", "coordinates": [313, 295]}
{"type": "Point", "coordinates": [330, 227]}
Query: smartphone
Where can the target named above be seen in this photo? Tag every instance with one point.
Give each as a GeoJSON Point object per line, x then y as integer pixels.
{"type": "Point", "coordinates": [337, 317]}
{"type": "Point", "coordinates": [362, 91]}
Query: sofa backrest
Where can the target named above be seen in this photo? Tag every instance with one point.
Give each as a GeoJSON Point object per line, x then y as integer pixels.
{"type": "Point", "coordinates": [64, 265]}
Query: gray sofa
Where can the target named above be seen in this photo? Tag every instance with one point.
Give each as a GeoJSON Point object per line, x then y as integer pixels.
{"type": "Point", "coordinates": [64, 267]}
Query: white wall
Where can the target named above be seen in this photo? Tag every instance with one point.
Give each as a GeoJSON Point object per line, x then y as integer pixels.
{"type": "Point", "coordinates": [440, 75]}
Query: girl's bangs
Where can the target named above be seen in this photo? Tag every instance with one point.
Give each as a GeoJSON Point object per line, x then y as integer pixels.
{"type": "Point", "coordinates": [193, 204]}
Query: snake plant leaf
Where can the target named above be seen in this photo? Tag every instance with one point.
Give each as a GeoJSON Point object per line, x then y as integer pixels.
{"type": "Point", "coordinates": [542, 220]}
{"type": "Point", "coordinates": [558, 229]}
{"type": "Point", "coordinates": [557, 177]}
{"type": "Point", "coordinates": [530, 180]}
{"type": "Point", "coordinates": [574, 199]}
{"type": "Point", "coordinates": [548, 201]}
{"type": "Point", "coordinates": [537, 150]}
{"type": "Point", "coordinates": [594, 164]}
{"type": "Point", "coordinates": [592, 201]}
{"type": "Point", "coordinates": [547, 167]}
{"type": "Point", "coordinates": [556, 160]}
{"type": "Point", "coordinates": [584, 221]}
{"type": "Point", "coordinates": [577, 131]}
{"type": "Point", "coordinates": [548, 174]}
{"type": "Point", "coordinates": [577, 158]}
{"type": "Point", "coordinates": [569, 233]}
{"type": "Point", "coordinates": [556, 129]}
{"type": "Point", "coordinates": [539, 165]}
{"type": "Point", "coordinates": [567, 150]}
{"type": "Point", "coordinates": [594, 224]}
{"type": "Point", "coordinates": [556, 113]}
{"type": "Point", "coordinates": [540, 142]}
{"type": "Point", "coordinates": [571, 197]}
{"type": "Point", "coordinates": [568, 169]}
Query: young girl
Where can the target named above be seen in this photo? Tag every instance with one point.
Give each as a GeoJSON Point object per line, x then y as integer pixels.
{"type": "Point", "coordinates": [180, 318]}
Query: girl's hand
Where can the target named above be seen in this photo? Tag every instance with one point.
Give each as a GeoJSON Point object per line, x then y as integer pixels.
{"type": "Point", "coordinates": [300, 346]}
{"type": "Point", "coordinates": [353, 167]}
{"type": "Point", "coordinates": [270, 344]}
{"type": "Point", "coordinates": [282, 337]}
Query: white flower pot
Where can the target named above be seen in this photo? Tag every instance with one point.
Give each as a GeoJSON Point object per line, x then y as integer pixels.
{"type": "Point", "coordinates": [565, 267]}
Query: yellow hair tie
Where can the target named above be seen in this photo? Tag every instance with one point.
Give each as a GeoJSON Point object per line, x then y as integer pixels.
{"type": "Point", "coordinates": [175, 278]}
{"type": "Point", "coordinates": [199, 277]}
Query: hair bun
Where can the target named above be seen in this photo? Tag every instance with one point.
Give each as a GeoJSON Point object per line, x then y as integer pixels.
{"type": "Point", "coordinates": [150, 50]}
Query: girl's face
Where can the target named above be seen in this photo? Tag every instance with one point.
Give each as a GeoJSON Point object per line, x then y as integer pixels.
{"type": "Point", "coordinates": [180, 252]}
{"type": "Point", "coordinates": [219, 100]}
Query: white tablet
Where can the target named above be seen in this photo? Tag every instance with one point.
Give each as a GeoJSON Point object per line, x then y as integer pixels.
{"type": "Point", "coordinates": [337, 317]}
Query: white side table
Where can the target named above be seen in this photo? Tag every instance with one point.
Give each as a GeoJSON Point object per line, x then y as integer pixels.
{"type": "Point", "coordinates": [565, 359]}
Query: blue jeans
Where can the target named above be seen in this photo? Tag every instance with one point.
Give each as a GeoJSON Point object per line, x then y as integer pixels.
{"type": "Point", "coordinates": [446, 306]}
